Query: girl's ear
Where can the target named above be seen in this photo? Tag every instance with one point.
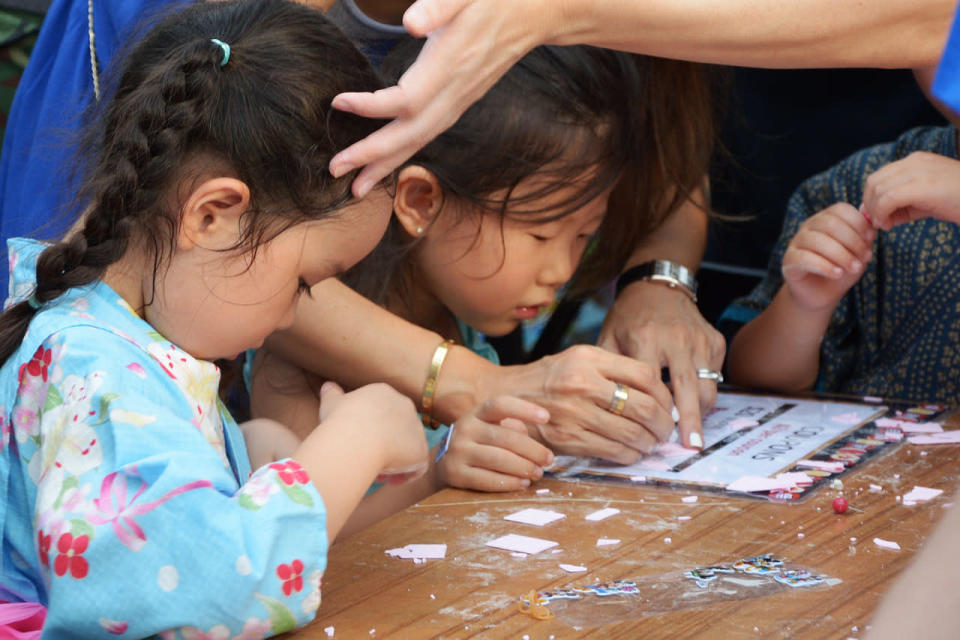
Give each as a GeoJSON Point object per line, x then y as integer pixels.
{"type": "Point", "coordinates": [418, 200]}
{"type": "Point", "coordinates": [211, 216]}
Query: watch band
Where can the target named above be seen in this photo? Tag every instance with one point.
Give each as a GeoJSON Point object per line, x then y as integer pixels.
{"type": "Point", "coordinates": [675, 276]}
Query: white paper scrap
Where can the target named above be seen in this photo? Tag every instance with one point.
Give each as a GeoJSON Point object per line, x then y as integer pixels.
{"type": "Point", "coordinates": [538, 517]}
{"type": "Point", "coordinates": [683, 517]}
{"type": "Point", "coordinates": [602, 514]}
{"type": "Point", "coordinates": [822, 465]}
{"type": "Point", "coordinates": [543, 491]}
{"type": "Point", "coordinates": [875, 488]}
{"type": "Point", "coordinates": [921, 494]}
{"type": "Point", "coordinates": [886, 544]}
{"type": "Point", "coordinates": [573, 568]}
{"type": "Point", "coordinates": [523, 544]}
{"type": "Point", "coordinates": [907, 426]}
{"type": "Point", "coordinates": [603, 542]}
{"type": "Point", "coordinates": [689, 499]}
{"type": "Point", "coordinates": [419, 552]}
{"type": "Point", "coordinates": [328, 631]}
{"type": "Point", "coordinates": [947, 437]}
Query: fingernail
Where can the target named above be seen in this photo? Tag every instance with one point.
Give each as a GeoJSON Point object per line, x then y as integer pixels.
{"type": "Point", "coordinates": [414, 18]}
{"type": "Point", "coordinates": [837, 271]}
{"type": "Point", "coordinates": [696, 441]}
{"type": "Point", "coordinates": [542, 415]}
{"type": "Point", "coordinates": [339, 169]}
{"type": "Point", "coordinates": [550, 459]}
{"type": "Point", "coordinates": [674, 436]}
{"type": "Point", "coordinates": [675, 415]}
{"type": "Point", "coordinates": [856, 266]}
{"type": "Point", "coordinates": [362, 188]}
{"type": "Point", "coordinates": [525, 482]}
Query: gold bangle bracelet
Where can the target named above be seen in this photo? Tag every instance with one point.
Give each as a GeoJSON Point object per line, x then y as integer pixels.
{"type": "Point", "coordinates": [430, 386]}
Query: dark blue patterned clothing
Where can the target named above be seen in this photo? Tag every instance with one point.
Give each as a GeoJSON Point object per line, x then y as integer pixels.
{"type": "Point", "coordinates": [896, 333]}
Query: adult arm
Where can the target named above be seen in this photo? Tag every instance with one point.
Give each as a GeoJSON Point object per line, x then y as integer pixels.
{"type": "Point", "coordinates": [473, 42]}
{"type": "Point", "coordinates": [662, 326]}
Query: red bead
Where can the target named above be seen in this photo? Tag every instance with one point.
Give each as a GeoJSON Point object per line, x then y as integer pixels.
{"type": "Point", "coordinates": [840, 505]}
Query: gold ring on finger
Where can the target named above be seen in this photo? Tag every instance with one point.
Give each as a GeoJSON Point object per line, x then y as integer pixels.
{"type": "Point", "coordinates": [619, 400]}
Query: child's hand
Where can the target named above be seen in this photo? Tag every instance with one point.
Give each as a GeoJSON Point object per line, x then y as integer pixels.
{"type": "Point", "coordinates": [385, 424]}
{"type": "Point", "coordinates": [827, 255]}
{"type": "Point", "coordinates": [922, 185]}
{"type": "Point", "coordinates": [268, 441]}
{"type": "Point", "coordinates": [489, 449]}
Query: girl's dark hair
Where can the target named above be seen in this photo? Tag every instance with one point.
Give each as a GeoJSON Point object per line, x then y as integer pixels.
{"type": "Point", "coordinates": [575, 116]}
{"type": "Point", "coordinates": [265, 116]}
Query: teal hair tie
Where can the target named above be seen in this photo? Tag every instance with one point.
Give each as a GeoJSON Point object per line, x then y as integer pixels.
{"type": "Point", "coordinates": [34, 303]}
{"type": "Point", "coordinates": [226, 50]}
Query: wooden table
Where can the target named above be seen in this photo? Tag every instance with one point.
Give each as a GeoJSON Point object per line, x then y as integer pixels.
{"type": "Point", "coordinates": [474, 591]}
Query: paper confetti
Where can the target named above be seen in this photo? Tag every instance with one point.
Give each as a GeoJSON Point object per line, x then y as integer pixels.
{"type": "Point", "coordinates": [851, 417]}
{"type": "Point", "coordinates": [523, 544]}
{"type": "Point", "coordinates": [689, 499]}
{"type": "Point", "coordinates": [672, 449]}
{"type": "Point", "coordinates": [822, 465]}
{"type": "Point", "coordinates": [921, 494]}
{"type": "Point", "coordinates": [602, 514]}
{"type": "Point", "coordinates": [419, 552]}
{"type": "Point", "coordinates": [742, 423]}
{"type": "Point", "coordinates": [875, 488]}
{"type": "Point", "coordinates": [761, 483]}
{"type": "Point", "coordinates": [907, 426]}
{"type": "Point", "coordinates": [573, 568]}
{"type": "Point", "coordinates": [886, 544]}
{"type": "Point", "coordinates": [538, 517]}
{"type": "Point", "coordinates": [543, 491]}
{"type": "Point", "coordinates": [947, 437]}
{"type": "Point", "coordinates": [328, 631]}
{"type": "Point", "coordinates": [603, 542]}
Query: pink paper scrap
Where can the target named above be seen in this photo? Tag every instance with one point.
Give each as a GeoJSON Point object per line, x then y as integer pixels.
{"type": "Point", "coordinates": [886, 544]}
{"type": "Point", "coordinates": [760, 483]}
{"type": "Point", "coordinates": [638, 478]}
{"type": "Point", "coordinates": [672, 450]}
{"type": "Point", "coordinates": [602, 514]}
{"type": "Point", "coordinates": [538, 517]}
{"type": "Point", "coordinates": [822, 465]}
{"type": "Point", "coordinates": [573, 568]}
{"type": "Point", "coordinates": [689, 499]}
{"type": "Point", "coordinates": [921, 494]}
{"type": "Point", "coordinates": [907, 426]}
{"type": "Point", "coordinates": [419, 552]}
{"type": "Point", "coordinates": [683, 517]}
{"type": "Point", "coordinates": [523, 544]}
{"type": "Point", "coordinates": [603, 542]}
{"type": "Point", "coordinates": [742, 423]}
{"type": "Point", "coordinates": [947, 437]}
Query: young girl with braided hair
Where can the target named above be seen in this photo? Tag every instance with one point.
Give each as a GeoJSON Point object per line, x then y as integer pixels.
{"type": "Point", "coordinates": [127, 501]}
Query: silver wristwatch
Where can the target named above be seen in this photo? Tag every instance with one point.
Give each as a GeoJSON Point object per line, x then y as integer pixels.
{"type": "Point", "coordinates": [675, 276]}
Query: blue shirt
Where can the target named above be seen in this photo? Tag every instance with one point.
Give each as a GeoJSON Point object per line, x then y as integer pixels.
{"type": "Point", "coordinates": [126, 498]}
{"type": "Point", "coordinates": [946, 85]}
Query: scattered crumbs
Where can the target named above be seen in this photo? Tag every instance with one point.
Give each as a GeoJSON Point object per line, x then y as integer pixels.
{"type": "Point", "coordinates": [668, 540]}
{"type": "Point", "coordinates": [602, 514]}
{"type": "Point", "coordinates": [819, 509]}
{"type": "Point", "coordinates": [543, 491]}
{"type": "Point", "coordinates": [602, 542]}
{"type": "Point", "coordinates": [372, 631]}
{"type": "Point", "coordinates": [854, 629]}
{"type": "Point", "coordinates": [800, 527]}
{"type": "Point", "coordinates": [683, 517]}
{"type": "Point", "coordinates": [896, 476]}
{"type": "Point", "coordinates": [756, 629]}
{"type": "Point", "coordinates": [638, 478]}
{"type": "Point", "coordinates": [799, 535]}
{"type": "Point", "coordinates": [886, 544]}
{"type": "Point", "coordinates": [328, 631]}
{"type": "Point", "coordinates": [853, 539]}
{"type": "Point", "coordinates": [689, 499]}
{"type": "Point", "coordinates": [573, 568]}
{"type": "Point", "coordinates": [783, 522]}
{"type": "Point", "coordinates": [433, 597]}
{"type": "Point", "coordinates": [875, 488]}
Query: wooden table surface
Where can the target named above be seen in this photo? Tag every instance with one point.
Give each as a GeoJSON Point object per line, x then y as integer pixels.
{"type": "Point", "coordinates": [474, 591]}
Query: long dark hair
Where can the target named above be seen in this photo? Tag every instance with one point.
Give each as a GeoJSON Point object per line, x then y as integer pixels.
{"type": "Point", "coordinates": [573, 116]}
{"type": "Point", "coordinates": [265, 115]}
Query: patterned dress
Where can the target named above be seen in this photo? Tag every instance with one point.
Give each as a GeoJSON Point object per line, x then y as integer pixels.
{"type": "Point", "coordinates": [126, 496]}
{"type": "Point", "coordinates": [896, 333]}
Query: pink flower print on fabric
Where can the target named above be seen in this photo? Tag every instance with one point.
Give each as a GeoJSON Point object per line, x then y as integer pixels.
{"type": "Point", "coordinates": [70, 557]}
{"type": "Point", "coordinates": [38, 365]}
{"type": "Point", "coordinates": [137, 369]}
{"type": "Point", "coordinates": [255, 629]}
{"type": "Point", "coordinates": [113, 507]}
{"type": "Point", "coordinates": [291, 576]}
{"type": "Point", "coordinates": [116, 627]}
{"type": "Point", "coordinates": [5, 428]}
{"type": "Point", "coordinates": [290, 472]}
{"type": "Point", "coordinates": [219, 632]}
{"type": "Point", "coordinates": [43, 548]}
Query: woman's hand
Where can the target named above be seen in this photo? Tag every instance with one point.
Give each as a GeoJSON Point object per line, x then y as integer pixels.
{"type": "Point", "coordinates": [470, 45]}
{"type": "Point", "coordinates": [661, 327]}
{"type": "Point", "coordinates": [489, 448]}
{"type": "Point", "coordinates": [577, 387]}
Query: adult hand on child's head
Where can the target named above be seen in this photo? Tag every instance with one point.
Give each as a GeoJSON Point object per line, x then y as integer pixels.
{"type": "Point", "coordinates": [385, 423]}
{"type": "Point", "coordinates": [471, 43]}
{"type": "Point", "coordinates": [490, 449]}
{"type": "Point", "coordinates": [662, 327]}
{"type": "Point", "coordinates": [577, 387]}
{"type": "Point", "coordinates": [827, 256]}
{"type": "Point", "coordinates": [922, 185]}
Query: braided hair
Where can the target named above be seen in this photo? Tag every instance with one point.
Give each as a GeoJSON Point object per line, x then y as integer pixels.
{"type": "Point", "coordinates": [265, 114]}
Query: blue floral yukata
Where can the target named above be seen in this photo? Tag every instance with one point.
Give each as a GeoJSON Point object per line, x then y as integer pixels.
{"type": "Point", "coordinates": [127, 501]}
